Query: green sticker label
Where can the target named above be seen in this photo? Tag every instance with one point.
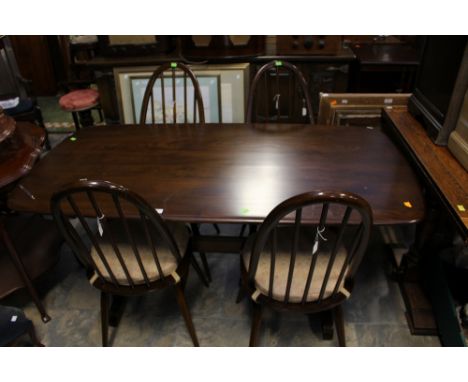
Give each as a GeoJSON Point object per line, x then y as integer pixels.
{"type": "Point", "coordinates": [173, 64]}
{"type": "Point", "coordinates": [73, 139]}
{"type": "Point", "coordinates": [244, 211]}
{"type": "Point", "coordinates": [278, 63]}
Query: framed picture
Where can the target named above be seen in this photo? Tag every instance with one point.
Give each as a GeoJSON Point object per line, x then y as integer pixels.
{"type": "Point", "coordinates": [224, 91]}
{"type": "Point", "coordinates": [357, 109]}
{"type": "Point", "coordinates": [209, 87]}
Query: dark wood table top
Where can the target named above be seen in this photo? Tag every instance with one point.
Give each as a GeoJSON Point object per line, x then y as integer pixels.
{"type": "Point", "coordinates": [231, 172]}
{"type": "Point", "coordinates": [442, 168]}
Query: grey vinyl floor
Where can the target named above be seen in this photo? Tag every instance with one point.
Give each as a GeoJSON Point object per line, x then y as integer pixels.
{"type": "Point", "coordinates": [374, 313]}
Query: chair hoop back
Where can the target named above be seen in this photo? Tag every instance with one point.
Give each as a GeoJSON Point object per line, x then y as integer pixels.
{"type": "Point", "coordinates": [293, 73]}
{"type": "Point", "coordinates": [9, 71]}
{"type": "Point", "coordinates": [149, 96]}
{"type": "Point", "coordinates": [105, 197]}
{"type": "Point", "coordinates": [338, 201]}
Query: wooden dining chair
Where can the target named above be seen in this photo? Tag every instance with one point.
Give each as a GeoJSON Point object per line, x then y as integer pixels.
{"type": "Point", "coordinates": [279, 94]}
{"type": "Point", "coordinates": [306, 268]}
{"type": "Point", "coordinates": [13, 84]}
{"type": "Point", "coordinates": [125, 257]}
{"type": "Point", "coordinates": [171, 110]}
{"type": "Point", "coordinates": [167, 108]}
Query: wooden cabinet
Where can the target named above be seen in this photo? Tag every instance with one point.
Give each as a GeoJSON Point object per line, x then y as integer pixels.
{"type": "Point", "coordinates": [35, 63]}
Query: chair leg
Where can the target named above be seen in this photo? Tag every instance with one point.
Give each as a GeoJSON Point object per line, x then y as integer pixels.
{"type": "Point", "coordinates": [40, 122]}
{"type": "Point", "coordinates": [116, 309]}
{"type": "Point", "coordinates": [339, 324]}
{"type": "Point", "coordinates": [5, 237]}
{"type": "Point", "coordinates": [47, 145]}
{"type": "Point", "coordinates": [205, 266]}
{"type": "Point", "coordinates": [327, 324]}
{"type": "Point", "coordinates": [33, 336]}
{"type": "Point", "coordinates": [39, 117]}
{"type": "Point", "coordinates": [216, 227]}
{"type": "Point", "coordinates": [184, 280]}
{"type": "Point", "coordinates": [186, 313]}
{"type": "Point", "coordinates": [240, 295]}
{"type": "Point", "coordinates": [256, 321]}
{"type": "Point", "coordinates": [105, 317]}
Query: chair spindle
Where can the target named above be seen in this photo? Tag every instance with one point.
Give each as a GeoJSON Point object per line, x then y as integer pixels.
{"type": "Point", "coordinates": [130, 237]}
{"type": "Point", "coordinates": [336, 246]}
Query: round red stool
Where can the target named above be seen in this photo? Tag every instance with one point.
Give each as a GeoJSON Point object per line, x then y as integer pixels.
{"type": "Point", "coordinates": [81, 102]}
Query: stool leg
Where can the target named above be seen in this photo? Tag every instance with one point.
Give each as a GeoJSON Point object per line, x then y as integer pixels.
{"type": "Point", "coordinates": [75, 121]}
{"type": "Point", "coordinates": [86, 119]}
{"type": "Point", "coordinates": [101, 117]}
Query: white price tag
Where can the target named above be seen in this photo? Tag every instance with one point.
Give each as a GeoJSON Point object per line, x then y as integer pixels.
{"type": "Point", "coordinates": [99, 225]}
{"type": "Point", "coordinates": [318, 236]}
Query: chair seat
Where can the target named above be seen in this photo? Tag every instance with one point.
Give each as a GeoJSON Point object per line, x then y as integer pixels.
{"type": "Point", "coordinates": [13, 324]}
{"type": "Point", "coordinates": [78, 100]}
{"type": "Point", "coordinates": [302, 265]}
{"type": "Point", "coordinates": [25, 105]}
{"type": "Point", "coordinates": [166, 259]}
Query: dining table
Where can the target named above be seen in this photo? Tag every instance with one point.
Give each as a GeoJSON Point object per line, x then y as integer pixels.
{"type": "Point", "coordinates": [230, 173]}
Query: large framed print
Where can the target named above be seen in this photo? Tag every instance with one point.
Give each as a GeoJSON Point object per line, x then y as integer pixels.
{"type": "Point", "coordinates": [209, 87]}
{"type": "Point", "coordinates": [224, 91]}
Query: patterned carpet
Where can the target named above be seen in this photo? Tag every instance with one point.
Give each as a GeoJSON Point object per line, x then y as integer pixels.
{"type": "Point", "coordinates": [58, 127]}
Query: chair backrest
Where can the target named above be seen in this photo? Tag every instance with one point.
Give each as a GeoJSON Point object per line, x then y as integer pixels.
{"type": "Point", "coordinates": [9, 71]}
{"type": "Point", "coordinates": [110, 203]}
{"type": "Point", "coordinates": [354, 237]}
{"type": "Point", "coordinates": [279, 94]}
{"type": "Point", "coordinates": [178, 105]}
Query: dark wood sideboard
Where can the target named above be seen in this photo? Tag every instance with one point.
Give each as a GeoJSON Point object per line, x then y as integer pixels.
{"type": "Point", "coordinates": [445, 183]}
